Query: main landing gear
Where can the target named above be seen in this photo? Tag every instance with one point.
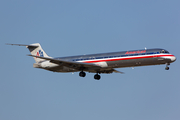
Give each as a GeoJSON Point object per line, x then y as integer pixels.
{"type": "Point", "coordinates": [167, 68]}
{"type": "Point", "coordinates": [96, 76]}
{"type": "Point", "coordinates": [82, 74]}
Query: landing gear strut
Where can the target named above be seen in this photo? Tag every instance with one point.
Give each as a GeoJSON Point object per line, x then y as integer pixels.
{"type": "Point", "coordinates": [167, 68]}
{"type": "Point", "coordinates": [82, 74]}
{"type": "Point", "coordinates": [97, 77]}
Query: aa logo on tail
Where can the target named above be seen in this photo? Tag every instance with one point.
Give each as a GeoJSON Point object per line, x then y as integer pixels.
{"type": "Point", "coordinates": [40, 53]}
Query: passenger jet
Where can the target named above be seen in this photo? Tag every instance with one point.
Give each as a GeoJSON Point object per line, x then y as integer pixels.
{"type": "Point", "coordinates": [99, 63]}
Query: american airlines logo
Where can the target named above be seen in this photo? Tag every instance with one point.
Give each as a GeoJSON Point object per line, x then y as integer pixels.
{"type": "Point", "coordinates": [133, 52]}
{"type": "Point", "coordinates": [40, 53]}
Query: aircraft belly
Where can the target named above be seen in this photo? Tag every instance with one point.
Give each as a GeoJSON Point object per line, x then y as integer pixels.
{"type": "Point", "coordinates": [62, 69]}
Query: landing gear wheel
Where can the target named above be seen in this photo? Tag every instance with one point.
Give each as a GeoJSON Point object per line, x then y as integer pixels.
{"type": "Point", "coordinates": [167, 68]}
{"type": "Point", "coordinates": [97, 77]}
{"type": "Point", "coordinates": [82, 74]}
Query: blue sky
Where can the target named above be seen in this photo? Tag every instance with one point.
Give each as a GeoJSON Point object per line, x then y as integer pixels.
{"type": "Point", "coordinates": [65, 28]}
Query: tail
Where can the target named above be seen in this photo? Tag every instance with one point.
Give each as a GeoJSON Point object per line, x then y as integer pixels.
{"type": "Point", "coordinates": [36, 50]}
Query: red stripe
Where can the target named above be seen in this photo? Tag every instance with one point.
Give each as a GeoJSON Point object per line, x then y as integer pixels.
{"type": "Point", "coordinates": [129, 58]}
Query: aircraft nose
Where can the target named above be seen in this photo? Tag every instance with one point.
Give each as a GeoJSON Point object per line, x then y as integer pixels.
{"type": "Point", "coordinates": [173, 58]}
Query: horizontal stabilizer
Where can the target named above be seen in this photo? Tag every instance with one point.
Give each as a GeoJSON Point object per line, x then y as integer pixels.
{"type": "Point", "coordinates": [23, 45]}
{"type": "Point", "coordinates": [35, 49]}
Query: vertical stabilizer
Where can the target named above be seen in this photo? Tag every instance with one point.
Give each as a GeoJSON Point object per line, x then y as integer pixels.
{"type": "Point", "coordinates": [37, 50]}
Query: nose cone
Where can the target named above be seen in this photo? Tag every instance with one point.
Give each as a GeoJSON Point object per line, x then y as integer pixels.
{"type": "Point", "coordinates": [173, 58]}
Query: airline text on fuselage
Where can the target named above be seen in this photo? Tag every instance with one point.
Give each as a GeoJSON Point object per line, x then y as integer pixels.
{"type": "Point", "coordinates": [133, 52]}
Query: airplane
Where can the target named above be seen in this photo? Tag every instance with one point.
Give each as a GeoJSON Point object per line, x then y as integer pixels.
{"type": "Point", "coordinates": [99, 63]}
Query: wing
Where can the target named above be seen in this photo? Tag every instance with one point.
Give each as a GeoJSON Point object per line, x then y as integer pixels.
{"type": "Point", "coordinates": [89, 67]}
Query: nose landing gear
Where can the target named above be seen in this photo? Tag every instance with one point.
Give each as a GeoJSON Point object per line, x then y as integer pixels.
{"type": "Point", "coordinates": [167, 68]}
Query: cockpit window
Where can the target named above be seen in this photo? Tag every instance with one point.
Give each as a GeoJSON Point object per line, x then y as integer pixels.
{"type": "Point", "coordinates": [164, 51]}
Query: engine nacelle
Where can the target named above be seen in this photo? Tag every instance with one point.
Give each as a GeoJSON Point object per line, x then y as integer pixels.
{"type": "Point", "coordinates": [48, 64]}
{"type": "Point", "coordinates": [36, 65]}
{"type": "Point", "coordinates": [102, 64]}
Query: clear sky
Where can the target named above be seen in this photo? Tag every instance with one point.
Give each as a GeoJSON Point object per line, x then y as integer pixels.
{"type": "Point", "coordinates": [75, 27]}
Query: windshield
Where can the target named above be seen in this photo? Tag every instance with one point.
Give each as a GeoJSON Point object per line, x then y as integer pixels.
{"type": "Point", "coordinates": [164, 51]}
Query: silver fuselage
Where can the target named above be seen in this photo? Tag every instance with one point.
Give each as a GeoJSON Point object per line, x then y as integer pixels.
{"type": "Point", "coordinates": [122, 59]}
